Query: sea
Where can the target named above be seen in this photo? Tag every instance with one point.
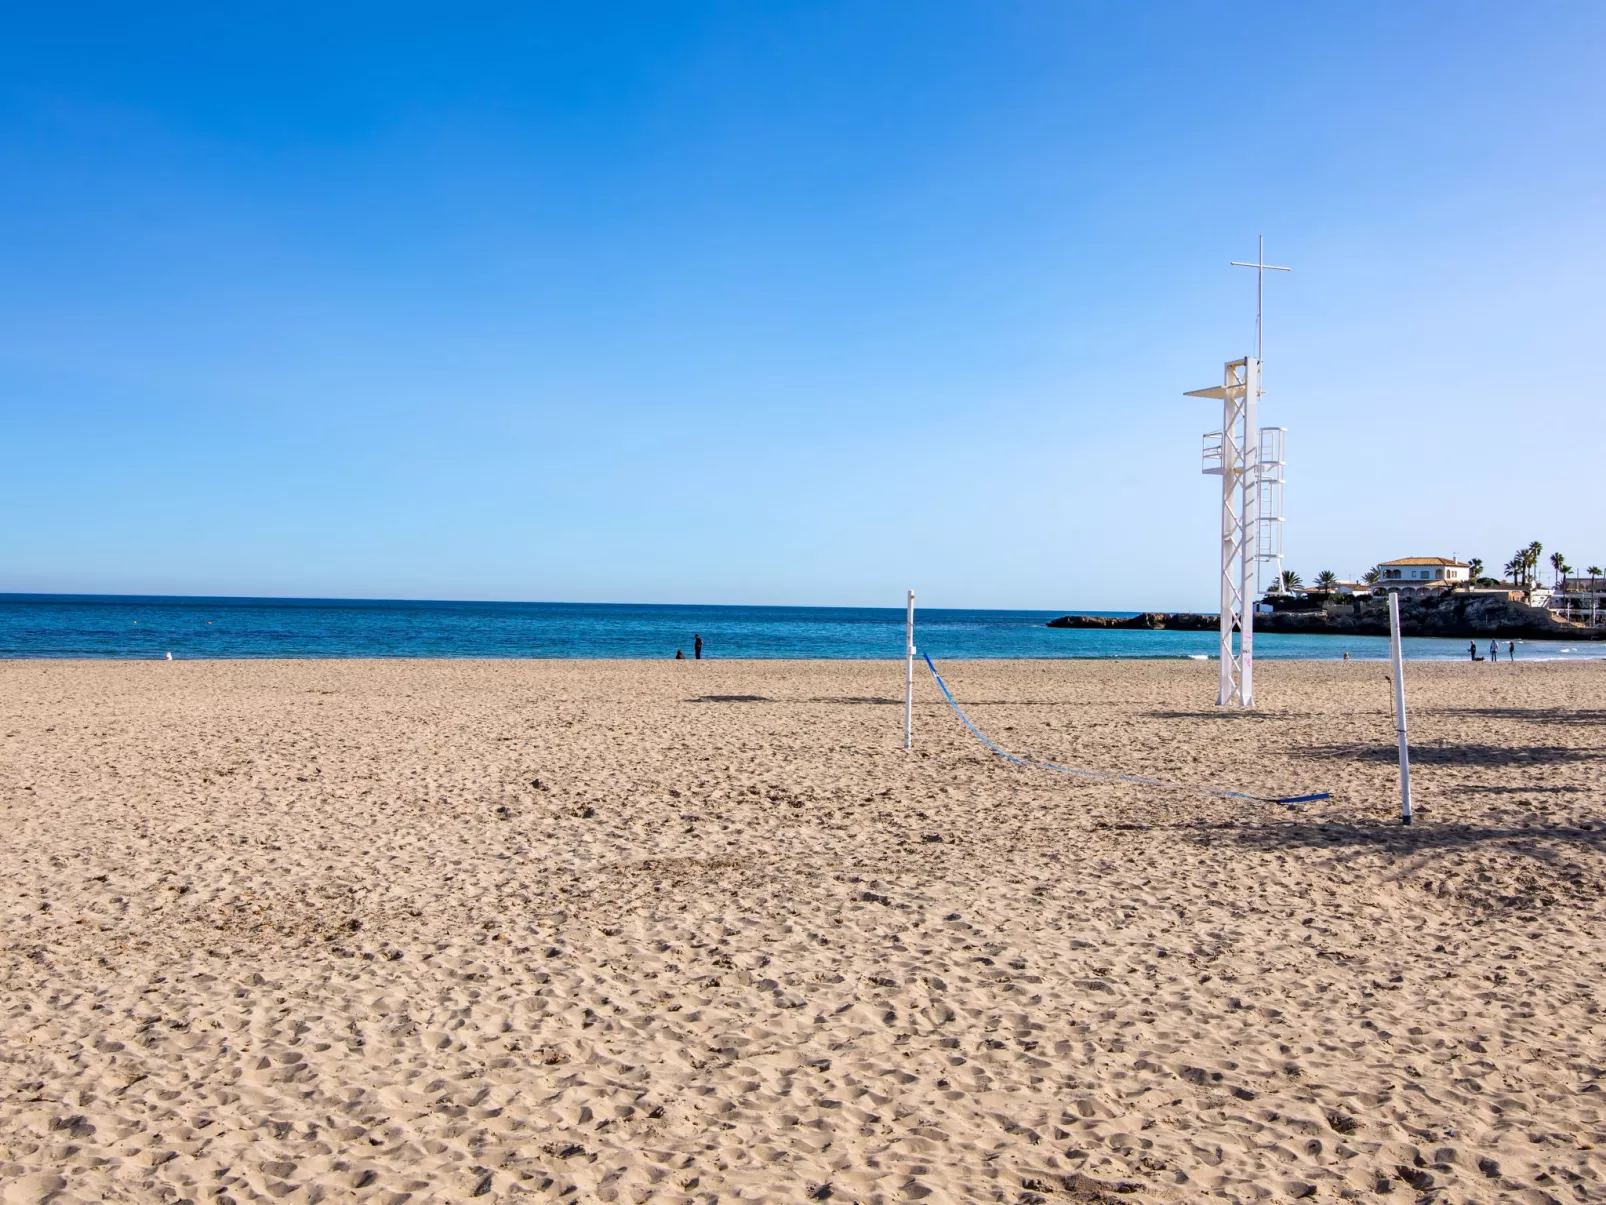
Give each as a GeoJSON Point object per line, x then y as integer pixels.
{"type": "Point", "coordinates": [134, 627]}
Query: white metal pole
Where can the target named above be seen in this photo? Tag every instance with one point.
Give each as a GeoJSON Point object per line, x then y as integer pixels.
{"type": "Point", "coordinates": [1248, 537]}
{"type": "Point", "coordinates": [1260, 300]}
{"type": "Point", "coordinates": [1229, 534]}
{"type": "Point", "coordinates": [1396, 654]}
{"type": "Point", "coordinates": [909, 676]}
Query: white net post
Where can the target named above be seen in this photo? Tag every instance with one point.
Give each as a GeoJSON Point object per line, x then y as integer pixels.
{"type": "Point", "coordinates": [909, 675]}
{"type": "Point", "coordinates": [1397, 656]}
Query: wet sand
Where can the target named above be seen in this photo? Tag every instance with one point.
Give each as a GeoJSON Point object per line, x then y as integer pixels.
{"type": "Point", "coordinates": [621, 931]}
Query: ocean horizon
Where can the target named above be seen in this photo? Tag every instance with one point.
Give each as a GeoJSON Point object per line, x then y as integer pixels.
{"type": "Point", "coordinates": [146, 627]}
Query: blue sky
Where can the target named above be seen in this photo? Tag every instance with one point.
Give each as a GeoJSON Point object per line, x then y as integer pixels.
{"type": "Point", "coordinates": [787, 303]}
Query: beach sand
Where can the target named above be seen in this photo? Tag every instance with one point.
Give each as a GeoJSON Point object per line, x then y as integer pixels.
{"type": "Point", "coordinates": [608, 931]}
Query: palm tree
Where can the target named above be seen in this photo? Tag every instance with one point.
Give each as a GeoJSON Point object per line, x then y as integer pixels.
{"type": "Point", "coordinates": [1594, 572]}
{"type": "Point", "coordinates": [1522, 567]}
{"type": "Point", "coordinates": [1474, 572]}
{"type": "Point", "coordinates": [1373, 575]}
{"type": "Point", "coordinates": [1560, 565]}
{"type": "Point", "coordinates": [1291, 580]}
{"type": "Point", "coordinates": [1327, 581]}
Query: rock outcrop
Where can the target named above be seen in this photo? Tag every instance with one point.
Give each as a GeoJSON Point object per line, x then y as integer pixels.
{"type": "Point", "coordinates": [1453, 615]}
{"type": "Point", "coordinates": [1150, 621]}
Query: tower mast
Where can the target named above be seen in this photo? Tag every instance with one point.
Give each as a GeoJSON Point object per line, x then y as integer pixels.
{"type": "Point", "coordinates": [1249, 460]}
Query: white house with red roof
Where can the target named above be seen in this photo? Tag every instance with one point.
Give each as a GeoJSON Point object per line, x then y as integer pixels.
{"type": "Point", "coordinates": [1412, 573]}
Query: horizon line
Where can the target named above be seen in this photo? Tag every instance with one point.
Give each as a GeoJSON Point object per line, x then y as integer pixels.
{"type": "Point", "coordinates": [34, 595]}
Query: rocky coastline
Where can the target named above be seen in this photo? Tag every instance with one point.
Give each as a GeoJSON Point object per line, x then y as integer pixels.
{"type": "Point", "coordinates": [1457, 615]}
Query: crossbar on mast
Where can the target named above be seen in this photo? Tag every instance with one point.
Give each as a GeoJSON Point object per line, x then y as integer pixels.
{"type": "Point", "coordinates": [1261, 267]}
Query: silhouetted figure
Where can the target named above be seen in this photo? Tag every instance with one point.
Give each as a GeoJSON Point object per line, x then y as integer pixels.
{"type": "Point", "coordinates": [680, 654]}
{"type": "Point", "coordinates": [697, 648]}
{"type": "Point", "coordinates": [1472, 649]}
{"type": "Point", "coordinates": [1511, 650]}
{"type": "Point", "coordinates": [1494, 650]}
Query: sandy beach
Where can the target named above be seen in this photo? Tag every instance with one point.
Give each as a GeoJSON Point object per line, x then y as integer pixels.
{"type": "Point", "coordinates": [624, 931]}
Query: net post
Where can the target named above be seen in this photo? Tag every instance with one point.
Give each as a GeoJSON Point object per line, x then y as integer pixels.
{"type": "Point", "coordinates": [1397, 657]}
{"type": "Point", "coordinates": [909, 675]}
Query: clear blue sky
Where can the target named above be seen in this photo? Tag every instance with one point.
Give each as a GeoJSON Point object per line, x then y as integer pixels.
{"type": "Point", "coordinates": [792, 303]}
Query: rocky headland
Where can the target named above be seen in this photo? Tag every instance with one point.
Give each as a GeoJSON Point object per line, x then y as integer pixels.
{"type": "Point", "coordinates": [1462, 615]}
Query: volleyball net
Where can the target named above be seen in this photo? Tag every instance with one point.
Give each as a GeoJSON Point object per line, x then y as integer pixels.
{"type": "Point", "coordinates": [1103, 775]}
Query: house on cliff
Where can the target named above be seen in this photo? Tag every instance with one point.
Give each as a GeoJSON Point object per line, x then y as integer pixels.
{"type": "Point", "coordinates": [1419, 574]}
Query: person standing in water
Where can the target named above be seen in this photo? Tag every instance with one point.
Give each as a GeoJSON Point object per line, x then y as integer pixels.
{"type": "Point", "coordinates": [697, 646]}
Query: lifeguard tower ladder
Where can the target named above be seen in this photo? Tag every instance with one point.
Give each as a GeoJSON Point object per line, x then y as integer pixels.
{"type": "Point", "coordinates": [1249, 460]}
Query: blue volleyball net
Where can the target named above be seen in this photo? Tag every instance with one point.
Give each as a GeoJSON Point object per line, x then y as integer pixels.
{"type": "Point", "coordinates": [1134, 779]}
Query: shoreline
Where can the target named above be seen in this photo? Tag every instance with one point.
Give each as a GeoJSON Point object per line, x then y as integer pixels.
{"type": "Point", "coordinates": [1584, 654]}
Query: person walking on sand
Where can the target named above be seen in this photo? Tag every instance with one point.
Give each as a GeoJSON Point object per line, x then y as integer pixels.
{"type": "Point", "coordinates": [1494, 650]}
{"type": "Point", "coordinates": [697, 646]}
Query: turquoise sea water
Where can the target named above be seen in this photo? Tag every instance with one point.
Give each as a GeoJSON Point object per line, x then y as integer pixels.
{"type": "Point", "coordinates": [59, 625]}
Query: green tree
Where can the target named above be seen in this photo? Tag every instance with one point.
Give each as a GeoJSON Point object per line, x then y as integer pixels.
{"type": "Point", "coordinates": [1327, 581]}
{"type": "Point", "coordinates": [1291, 580]}
{"type": "Point", "coordinates": [1373, 575]}
{"type": "Point", "coordinates": [1474, 572]}
{"type": "Point", "coordinates": [1525, 564]}
{"type": "Point", "coordinates": [1559, 564]}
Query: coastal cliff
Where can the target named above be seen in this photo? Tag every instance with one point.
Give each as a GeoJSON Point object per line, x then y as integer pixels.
{"type": "Point", "coordinates": [1456, 615]}
{"type": "Point", "coordinates": [1151, 621]}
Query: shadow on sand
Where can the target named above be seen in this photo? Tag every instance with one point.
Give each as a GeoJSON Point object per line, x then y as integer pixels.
{"type": "Point", "coordinates": [854, 699]}
{"type": "Point", "coordinates": [1531, 715]}
{"type": "Point", "coordinates": [1397, 838]}
{"type": "Point", "coordinates": [1459, 754]}
{"type": "Point", "coordinates": [1235, 715]}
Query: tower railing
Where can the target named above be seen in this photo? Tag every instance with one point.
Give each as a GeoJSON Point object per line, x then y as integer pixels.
{"type": "Point", "coordinates": [1270, 475]}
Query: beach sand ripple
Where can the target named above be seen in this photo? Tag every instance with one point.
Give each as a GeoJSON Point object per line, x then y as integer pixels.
{"type": "Point", "coordinates": [406, 931]}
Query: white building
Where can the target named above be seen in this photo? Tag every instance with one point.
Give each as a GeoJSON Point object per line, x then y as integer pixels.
{"type": "Point", "coordinates": [1581, 599]}
{"type": "Point", "coordinates": [1413, 574]}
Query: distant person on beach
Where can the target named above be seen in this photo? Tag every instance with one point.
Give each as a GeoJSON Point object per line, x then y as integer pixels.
{"type": "Point", "coordinates": [1511, 650]}
{"type": "Point", "coordinates": [1494, 650]}
{"type": "Point", "coordinates": [697, 648]}
{"type": "Point", "coordinates": [1472, 649]}
{"type": "Point", "coordinates": [680, 654]}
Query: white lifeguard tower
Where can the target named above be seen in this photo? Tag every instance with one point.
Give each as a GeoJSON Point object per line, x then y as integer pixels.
{"type": "Point", "coordinates": [1249, 461]}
